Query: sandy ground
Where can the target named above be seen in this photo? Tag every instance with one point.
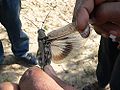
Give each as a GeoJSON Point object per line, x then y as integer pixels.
{"type": "Point", "coordinates": [78, 70]}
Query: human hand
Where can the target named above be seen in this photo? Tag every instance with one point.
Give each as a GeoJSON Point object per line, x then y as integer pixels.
{"type": "Point", "coordinates": [104, 14]}
{"type": "Point", "coordinates": [107, 19]}
{"type": "Point", "coordinates": [82, 10]}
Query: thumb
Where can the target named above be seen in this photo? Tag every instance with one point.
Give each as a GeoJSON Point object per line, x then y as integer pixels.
{"type": "Point", "coordinates": [82, 10]}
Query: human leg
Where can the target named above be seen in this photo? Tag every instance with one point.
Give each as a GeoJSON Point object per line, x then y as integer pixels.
{"type": "Point", "coordinates": [10, 19]}
{"type": "Point", "coordinates": [106, 57]}
{"type": "Point", "coordinates": [9, 12]}
{"type": "Point", "coordinates": [115, 81]}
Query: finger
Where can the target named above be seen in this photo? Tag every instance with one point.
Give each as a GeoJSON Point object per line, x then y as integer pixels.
{"type": "Point", "coordinates": [9, 86]}
{"type": "Point", "coordinates": [101, 31]}
{"type": "Point", "coordinates": [107, 29]}
{"type": "Point", "coordinates": [112, 29]}
{"type": "Point", "coordinates": [82, 10]}
{"type": "Point", "coordinates": [82, 20]}
{"type": "Point", "coordinates": [98, 2]}
{"type": "Point", "coordinates": [108, 12]}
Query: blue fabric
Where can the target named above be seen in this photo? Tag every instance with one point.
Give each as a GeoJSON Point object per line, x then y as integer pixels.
{"type": "Point", "coordinates": [9, 18]}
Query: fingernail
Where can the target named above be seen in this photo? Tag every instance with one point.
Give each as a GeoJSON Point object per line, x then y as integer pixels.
{"type": "Point", "coordinates": [86, 32]}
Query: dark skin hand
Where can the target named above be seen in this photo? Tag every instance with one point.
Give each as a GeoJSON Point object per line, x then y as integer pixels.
{"type": "Point", "coordinates": [104, 14]}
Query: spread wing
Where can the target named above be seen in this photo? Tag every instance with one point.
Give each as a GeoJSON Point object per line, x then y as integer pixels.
{"type": "Point", "coordinates": [65, 47]}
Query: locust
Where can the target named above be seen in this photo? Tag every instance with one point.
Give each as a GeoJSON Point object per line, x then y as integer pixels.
{"type": "Point", "coordinates": [58, 44]}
